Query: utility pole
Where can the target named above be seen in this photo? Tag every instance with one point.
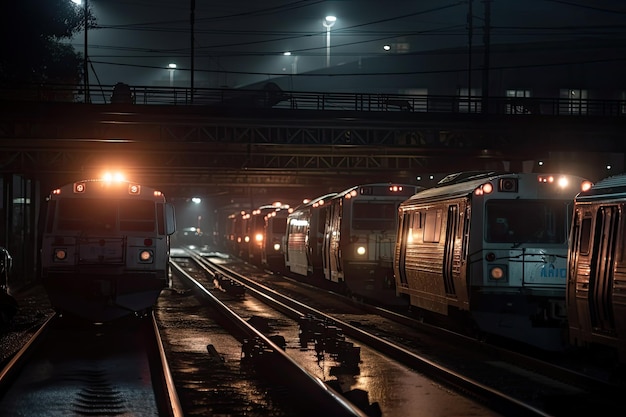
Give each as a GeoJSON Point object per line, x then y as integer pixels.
{"type": "Point", "coordinates": [86, 58]}
{"type": "Point", "coordinates": [192, 22]}
{"type": "Point", "coordinates": [487, 41]}
{"type": "Point", "coordinates": [470, 30]}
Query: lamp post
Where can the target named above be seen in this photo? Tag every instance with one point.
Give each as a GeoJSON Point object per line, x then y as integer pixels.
{"type": "Point", "coordinates": [294, 64]}
{"type": "Point", "coordinates": [328, 22]}
{"type": "Point", "coordinates": [85, 57]}
{"type": "Point", "coordinates": [172, 68]}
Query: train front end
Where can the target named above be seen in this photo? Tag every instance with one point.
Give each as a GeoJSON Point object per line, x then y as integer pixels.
{"type": "Point", "coordinates": [105, 249]}
{"type": "Point", "coordinates": [518, 278]}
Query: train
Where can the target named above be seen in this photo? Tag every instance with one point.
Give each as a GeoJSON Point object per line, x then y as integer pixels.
{"type": "Point", "coordinates": [272, 246]}
{"type": "Point", "coordinates": [105, 248]}
{"type": "Point", "coordinates": [303, 238]}
{"type": "Point", "coordinates": [534, 258]}
{"type": "Point", "coordinates": [235, 231]}
{"type": "Point", "coordinates": [255, 240]}
{"type": "Point", "coordinates": [596, 276]}
{"type": "Point", "coordinates": [488, 251]}
{"type": "Point", "coordinates": [360, 229]}
{"type": "Point", "coordinates": [346, 239]}
{"type": "Point", "coordinates": [8, 303]}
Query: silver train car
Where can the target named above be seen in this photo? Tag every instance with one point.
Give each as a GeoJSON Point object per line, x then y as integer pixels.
{"type": "Point", "coordinates": [596, 279]}
{"type": "Point", "coordinates": [359, 240]}
{"type": "Point", "coordinates": [105, 248]}
{"type": "Point", "coordinates": [489, 250]}
{"type": "Point", "coordinates": [303, 238]}
{"type": "Point", "coordinates": [255, 240]}
{"type": "Point", "coordinates": [273, 245]}
{"type": "Point", "coordinates": [236, 238]}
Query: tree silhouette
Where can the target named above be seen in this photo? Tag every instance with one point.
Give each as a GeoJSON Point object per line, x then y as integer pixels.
{"type": "Point", "coordinates": [33, 51]}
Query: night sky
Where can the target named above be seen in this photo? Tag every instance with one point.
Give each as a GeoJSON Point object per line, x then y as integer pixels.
{"type": "Point", "coordinates": [241, 42]}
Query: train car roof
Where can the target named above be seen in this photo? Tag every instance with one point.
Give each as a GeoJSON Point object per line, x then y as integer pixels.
{"type": "Point", "coordinates": [607, 188]}
{"type": "Point", "coordinates": [102, 181]}
{"type": "Point", "coordinates": [463, 184]}
{"type": "Point", "coordinates": [314, 201]}
{"type": "Point", "coordinates": [386, 184]}
{"type": "Point", "coordinates": [457, 185]}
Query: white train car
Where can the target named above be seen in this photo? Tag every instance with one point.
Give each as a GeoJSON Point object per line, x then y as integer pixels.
{"type": "Point", "coordinates": [596, 284]}
{"type": "Point", "coordinates": [254, 241]}
{"type": "Point", "coordinates": [303, 238]}
{"type": "Point", "coordinates": [359, 240]}
{"type": "Point", "coordinates": [489, 250]}
{"type": "Point", "coordinates": [105, 248]}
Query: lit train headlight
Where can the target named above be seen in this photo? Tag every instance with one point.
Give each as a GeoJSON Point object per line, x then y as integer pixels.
{"type": "Point", "coordinates": [146, 256]}
{"type": "Point", "coordinates": [276, 247]}
{"type": "Point", "coordinates": [497, 273]}
{"type": "Point", "coordinates": [60, 254]}
{"type": "Point", "coordinates": [360, 250]}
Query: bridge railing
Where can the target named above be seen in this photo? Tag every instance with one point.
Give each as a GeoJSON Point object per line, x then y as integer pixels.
{"type": "Point", "coordinates": [318, 101]}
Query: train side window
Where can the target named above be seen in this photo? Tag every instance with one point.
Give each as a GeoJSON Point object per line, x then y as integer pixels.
{"type": "Point", "coordinates": [432, 226]}
{"type": "Point", "coordinates": [585, 236]}
{"type": "Point", "coordinates": [465, 220]}
{"type": "Point", "coordinates": [621, 237]}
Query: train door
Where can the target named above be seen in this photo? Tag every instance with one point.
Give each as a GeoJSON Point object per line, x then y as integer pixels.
{"type": "Point", "coordinates": [403, 239]}
{"type": "Point", "coordinates": [332, 239]}
{"type": "Point", "coordinates": [449, 249]}
{"type": "Point", "coordinates": [600, 294]}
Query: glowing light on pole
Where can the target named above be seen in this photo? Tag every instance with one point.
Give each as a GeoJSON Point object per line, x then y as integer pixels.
{"type": "Point", "coordinates": [294, 64]}
{"type": "Point", "coordinates": [328, 22]}
{"type": "Point", "coordinates": [85, 58]}
{"type": "Point", "coordinates": [172, 68]}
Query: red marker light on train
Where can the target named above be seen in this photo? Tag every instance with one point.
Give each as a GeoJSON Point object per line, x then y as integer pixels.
{"type": "Point", "coordinates": [147, 242]}
{"type": "Point", "coordinates": [145, 256]}
{"type": "Point", "coordinates": [79, 187]}
{"type": "Point", "coordinates": [497, 273]}
{"type": "Point", "coordinates": [586, 186]}
{"type": "Point", "coordinates": [486, 188]}
{"type": "Point", "coordinates": [134, 189]}
{"type": "Point", "coordinates": [490, 257]}
{"type": "Point", "coordinates": [60, 254]}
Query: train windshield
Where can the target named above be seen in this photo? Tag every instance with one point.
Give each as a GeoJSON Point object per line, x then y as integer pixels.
{"type": "Point", "coordinates": [526, 221]}
{"type": "Point", "coordinates": [279, 227]}
{"type": "Point", "coordinates": [374, 216]}
{"type": "Point", "coordinates": [101, 215]}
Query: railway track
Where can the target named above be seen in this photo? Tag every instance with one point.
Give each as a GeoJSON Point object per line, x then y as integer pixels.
{"type": "Point", "coordinates": [508, 382]}
{"type": "Point", "coordinates": [72, 368]}
{"type": "Point", "coordinates": [210, 374]}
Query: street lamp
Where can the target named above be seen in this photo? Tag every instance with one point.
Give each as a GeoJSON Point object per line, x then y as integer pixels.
{"type": "Point", "coordinates": [328, 22]}
{"type": "Point", "coordinates": [172, 68]}
{"type": "Point", "coordinates": [294, 64]}
{"type": "Point", "coordinates": [86, 57]}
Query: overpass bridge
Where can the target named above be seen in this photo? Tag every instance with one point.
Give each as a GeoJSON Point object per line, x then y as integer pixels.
{"type": "Point", "coordinates": [244, 150]}
{"type": "Point", "coordinates": [230, 145]}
